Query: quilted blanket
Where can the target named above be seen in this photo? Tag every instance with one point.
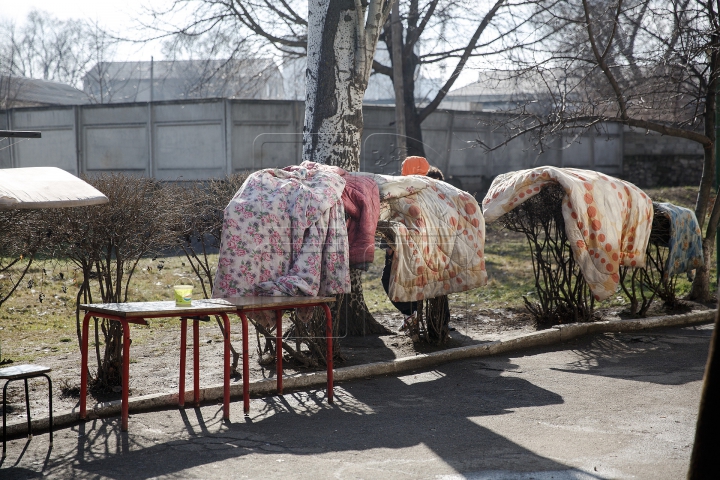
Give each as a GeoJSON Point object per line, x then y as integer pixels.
{"type": "Point", "coordinates": [361, 200]}
{"type": "Point", "coordinates": [607, 220]}
{"type": "Point", "coordinates": [440, 239]}
{"type": "Point", "coordinates": [284, 233]}
{"type": "Point", "coordinates": [685, 243]}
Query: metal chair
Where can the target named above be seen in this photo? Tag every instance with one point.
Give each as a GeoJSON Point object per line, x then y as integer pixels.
{"type": "Point", "coordinates": [24, 372]}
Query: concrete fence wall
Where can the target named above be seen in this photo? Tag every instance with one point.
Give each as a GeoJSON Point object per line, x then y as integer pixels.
{"type": "Point", "coordinates": [192, 140]}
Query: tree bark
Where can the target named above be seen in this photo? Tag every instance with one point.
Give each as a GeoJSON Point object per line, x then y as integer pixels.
{"type": "Point", "coordinates": [341, 46]}
{"type": "Point", "coordinates": [398, 81]}
{"type": "Point", "coordinates": [701, 284]}
{"type": "Point", "coordinates": [333, 106]}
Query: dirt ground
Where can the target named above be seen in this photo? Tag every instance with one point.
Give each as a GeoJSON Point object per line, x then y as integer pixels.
{"type": "Point", "coordinates": [154, 364]}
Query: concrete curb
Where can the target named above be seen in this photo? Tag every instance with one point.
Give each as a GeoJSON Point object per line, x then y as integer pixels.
{"type": "Point", "coordinates": [551, 336]}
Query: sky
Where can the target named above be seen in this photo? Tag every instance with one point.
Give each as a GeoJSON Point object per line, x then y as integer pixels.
{"type": "Point", "coordinates": [113, 15]}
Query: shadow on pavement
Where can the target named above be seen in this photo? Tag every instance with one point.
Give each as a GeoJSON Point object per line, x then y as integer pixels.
{"type": "Point", "coordinates": [658, 357]}
{"type": "Point", "coordinates": [429, 409]}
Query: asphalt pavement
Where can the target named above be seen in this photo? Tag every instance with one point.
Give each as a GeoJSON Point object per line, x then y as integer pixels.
{"type": "Point", "coordinates": [601, 406]}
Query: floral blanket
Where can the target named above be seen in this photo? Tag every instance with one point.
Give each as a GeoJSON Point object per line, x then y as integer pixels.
{"type": "Point", "coordinates": [607, 220]}
{"type": "Point", "coordinates": [361, 200]}
{"type": "Point", "coordinates": [440, 240]}
{"type": "Point", "coordinates": [284, 233]}
{"type": "Point", "coordinates": [685, 243]}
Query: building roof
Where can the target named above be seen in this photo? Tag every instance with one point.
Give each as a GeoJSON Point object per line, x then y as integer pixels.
{"type": "Point", "coordinates": [180, 68]}
{"type": "Point", "coordinates": [33, 92]}
{"type": "Point", "coordinates": [109, 82]}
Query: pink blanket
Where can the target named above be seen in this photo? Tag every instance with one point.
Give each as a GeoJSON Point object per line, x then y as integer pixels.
{"type": "Point", "coordinates": [362, 206]}
{"type": "Point", "coordinates": [284, 233]}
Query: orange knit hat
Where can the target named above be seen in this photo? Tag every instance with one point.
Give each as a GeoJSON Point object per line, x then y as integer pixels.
{"type": "Point", "coordinates": [415, 166]}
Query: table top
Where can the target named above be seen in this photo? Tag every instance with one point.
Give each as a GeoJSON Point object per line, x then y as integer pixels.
{"type": "Point", "coordinates": [22, 371]}
{"type": "Point", "coordinates": [252, 303]}
{"type": "Point", "coordinates": [208, 306]}
{"type": "Point", "coordinates": [148, 309]}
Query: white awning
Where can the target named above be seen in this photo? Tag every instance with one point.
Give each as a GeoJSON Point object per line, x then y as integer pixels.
{"type": "Point", "coordinates": [45, 187]}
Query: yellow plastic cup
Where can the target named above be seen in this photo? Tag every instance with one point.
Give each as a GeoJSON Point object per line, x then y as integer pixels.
{"type": "Point", "coordinates": [183, 295]}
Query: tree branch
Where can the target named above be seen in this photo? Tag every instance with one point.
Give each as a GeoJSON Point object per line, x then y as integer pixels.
{"type": "Point", "coordinates": [380, 68]}
{"type": "Point", "coordinates": [602, 63]}
{"type": "Point", "coordinates": [461, 64]}
{"type": "Point", "coordinates": [413, 35]}
{"type": "Point", "coordinates": [245, 17]}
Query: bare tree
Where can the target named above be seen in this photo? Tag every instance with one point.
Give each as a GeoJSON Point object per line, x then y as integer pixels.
{"type": "Point", "coordinates": [647, 64]}
{"type": "Point", "coordinates": [439, 39]}
{"type": "Point", "coordinates": [47, 48]}
{"type": "Point", "coordinates": [436, 36]}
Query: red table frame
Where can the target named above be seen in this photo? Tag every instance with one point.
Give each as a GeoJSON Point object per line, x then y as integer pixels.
{"type": "Point", "coordinates": [279, 305]}
{"type": "Point", "coordinates": [127, 313]}
{"type": "Point", "coordinates": [119, 313]}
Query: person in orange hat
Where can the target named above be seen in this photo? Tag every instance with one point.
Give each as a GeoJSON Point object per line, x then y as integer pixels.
{"type": "Point", "coordinates": [415, 166]}
{"type": "Point", "coordinates": [411, 166]}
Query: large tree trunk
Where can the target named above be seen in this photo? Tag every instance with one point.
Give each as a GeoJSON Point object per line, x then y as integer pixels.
{"type": "Point", "coordinates": [701, 284]}
{"type": "Point", "coordinates": [333, 105]}
{"type": "Point", "coordinates": [339, 54]}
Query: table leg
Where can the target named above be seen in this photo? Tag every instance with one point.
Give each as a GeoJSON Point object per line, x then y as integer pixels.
{"type": "Point", "coordinates": [27, 407]}
{"type": "Point", "coordinates": [226, 368]}
{"type": "Point", "coordinates": [278, 350]}
{"type": "Point", "coordinates": [83, 365]}
{"type": "Point", "coordinates": [183, 359]}
{"type": "Point", "coordinates": [50, 410]}
{"type": "Point", "coordinates": [329, 359]}
{"type": "Point", "coordinates": [196, 361]}
{"type": "Point", "coordinates": [246, 364]}
{"type": "Point", "coordinates": [125, 375]}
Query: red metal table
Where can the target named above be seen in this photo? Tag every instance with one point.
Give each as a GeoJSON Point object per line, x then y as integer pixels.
{"type": "Point", "coordinates": [244, 305]}
{"type": "Point", "coordinates": [137, 313]}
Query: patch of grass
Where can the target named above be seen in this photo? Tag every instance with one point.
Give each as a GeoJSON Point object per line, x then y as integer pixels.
{"type": "Point", "coordinates": [681, 196]}
{"type": "Point", "coordinates": [29, 326]}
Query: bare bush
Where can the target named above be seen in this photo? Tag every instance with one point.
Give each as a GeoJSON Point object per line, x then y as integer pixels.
{"type": "Point", "coordinates": [652, 281]}
{"type": "Point", "coordinates": [106, 242]}
{"type": "Point", "coordinates": [203, 205]}
{"type": "Point", "coordinates": [563, 296]}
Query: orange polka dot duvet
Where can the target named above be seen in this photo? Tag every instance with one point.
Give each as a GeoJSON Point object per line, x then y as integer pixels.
{"type": "Point", "coordinates": [607, 220]}
{"type": "Point", "coordinates": [440, 237]}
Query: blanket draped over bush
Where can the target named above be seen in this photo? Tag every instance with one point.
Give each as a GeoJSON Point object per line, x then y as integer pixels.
{"type": "Point", "coordinates": [685, 243]}
{"type": "Point", "coordinates": [607, 220]}
{"type": "Point", "coordinates": [439, 237]}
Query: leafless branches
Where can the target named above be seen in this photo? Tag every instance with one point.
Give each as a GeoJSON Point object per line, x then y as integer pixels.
{"type": "Point", "coordinates": [563, 296]}
{"type": "Point", "coordinates": [47, 48]}
{"type": "Point", "coordinates": [22, 234]}
{"type": "Point", "coordinates": [106, 242]}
